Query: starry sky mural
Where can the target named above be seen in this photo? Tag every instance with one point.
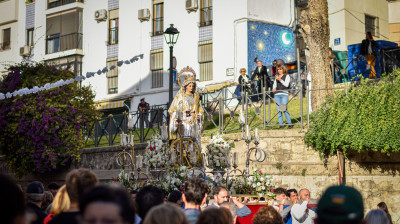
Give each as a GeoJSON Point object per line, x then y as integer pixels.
{"type": "Point", "coordinates": [269, 42]}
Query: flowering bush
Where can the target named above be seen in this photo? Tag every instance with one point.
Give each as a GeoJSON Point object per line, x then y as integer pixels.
{"type": "Point", "coordinates": [43, 131]}
{"type": "Point", "coordinates": [218, 153]}
{"type": "Point", "coordinates": [257, 184]}
{"type": "Point", "coordinates": [156, 154]}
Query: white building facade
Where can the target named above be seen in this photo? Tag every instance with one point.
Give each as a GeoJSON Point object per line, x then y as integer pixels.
{"type": "Point", "coordinates": [215, 39]}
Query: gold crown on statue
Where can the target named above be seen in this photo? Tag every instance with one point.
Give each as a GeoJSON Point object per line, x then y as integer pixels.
{"type": "Point", "coordinates": [189, 74]}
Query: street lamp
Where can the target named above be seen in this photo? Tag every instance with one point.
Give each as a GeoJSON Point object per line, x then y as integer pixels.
{"type": "Point", "coordinates": [171, 35]}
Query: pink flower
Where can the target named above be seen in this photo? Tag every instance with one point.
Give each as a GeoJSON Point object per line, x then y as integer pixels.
{"type": "Point", "coordinates": [272, 190]}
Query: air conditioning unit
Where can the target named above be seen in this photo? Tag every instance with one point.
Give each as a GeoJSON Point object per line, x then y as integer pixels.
{"type": "Point", "coordinates": [143, 15]}
{"type": "Point", "coordinates": [191, 5]}
{"type": "Point", "coordinates": [100, 15]}
{"type": "Point", "coordinates": [25, 50]}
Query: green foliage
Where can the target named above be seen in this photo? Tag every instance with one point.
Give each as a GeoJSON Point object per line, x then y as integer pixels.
{"type": "Point", "coordinates": [278, 166]}
{"type": "Point", "coordinates": [367, 118]}
{"type": "Point", "coordinates": [43, 131]}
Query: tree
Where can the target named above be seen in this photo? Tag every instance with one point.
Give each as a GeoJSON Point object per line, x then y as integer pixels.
{"type": "Point", "coordinates": [43, 131]}
{"type": "Point", "coordinates": [314, 27]}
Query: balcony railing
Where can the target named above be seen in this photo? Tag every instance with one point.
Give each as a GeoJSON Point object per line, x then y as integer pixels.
{"type": "Point", "coordinates": [5, 45]}
{"type": "Point", "coordinates": [56, 43]}
{"type": "Point", "coordinates": [158, 26]}
{"type": "Point", "coordinates": [53, 4]}
{"type": "Point", "coordinates": [206, 16]}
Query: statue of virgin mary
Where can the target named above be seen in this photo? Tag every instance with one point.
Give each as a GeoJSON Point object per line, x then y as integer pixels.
{"type": "Point", "coordinates": [186, 109]}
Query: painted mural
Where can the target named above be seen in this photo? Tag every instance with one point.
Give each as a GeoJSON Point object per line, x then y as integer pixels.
{"type": "Point", "coordinates": [269, 42]}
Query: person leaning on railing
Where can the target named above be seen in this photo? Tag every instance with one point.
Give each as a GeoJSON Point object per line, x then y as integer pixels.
{"type": "Point", "coordinates": [281, 92]}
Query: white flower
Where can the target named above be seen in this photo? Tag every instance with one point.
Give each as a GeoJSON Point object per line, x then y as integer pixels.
{"type": "Point", "coordinates": [254, 169]}
{"type": "Point", "coordinates": [254, 185]}
{"type": "Point", "coordinates": [262, 179]}
{"type": "Point", "coordinates": [258, 184]}
{"type": "Point", "coordinates": [262, 188]}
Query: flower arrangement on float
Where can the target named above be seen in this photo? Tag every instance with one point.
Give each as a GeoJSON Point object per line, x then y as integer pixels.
{"type": "Point", "coordinates": [258, 184]}
{"type": "Point", "coordinates": [218, 151]}
{"type": "Point", "coordinates": [156, 153]}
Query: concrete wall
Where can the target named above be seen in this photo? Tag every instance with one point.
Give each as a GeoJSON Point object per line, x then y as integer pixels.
{"type": "Point", "coordinates": [394, 21]}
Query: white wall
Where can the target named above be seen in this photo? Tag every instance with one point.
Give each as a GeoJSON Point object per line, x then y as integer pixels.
{"type": "Point", "coordinates": [9, 18]}
{"type": "Point", "coordinates": [394, 12]}
{"type": "Point", "coordinates": [276, 12]}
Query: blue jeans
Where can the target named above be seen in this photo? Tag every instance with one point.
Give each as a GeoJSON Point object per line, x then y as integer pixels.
{"type": "Point", "coordinates": [282, 99]}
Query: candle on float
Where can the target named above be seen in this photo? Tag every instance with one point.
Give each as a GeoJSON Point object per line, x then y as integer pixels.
{"type": "Point", "coordinates": [139, 161]}
{"type": "Point", "coordinates": [248, 137]}
{"type": "Point", "coordinates": [132, 138]}
{"type": "Point", "coordinates": [235, 159]}
{"type": "Point", "coordinates": [122, 138]}
{"type": "Point", "coordinates": [256, 135]}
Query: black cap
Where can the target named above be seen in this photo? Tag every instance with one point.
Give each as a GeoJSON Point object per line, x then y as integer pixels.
{"type": "Point", "coordinates": [36, 187]}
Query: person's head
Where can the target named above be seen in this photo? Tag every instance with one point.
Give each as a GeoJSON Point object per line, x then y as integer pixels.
{"type": "Point", "coordinates": [368, 36]}
{"type": "Point", "coordinates": [147, 198]}
{"type": "Point", "coordinates": [280, 193]}
{"type": "Point", "coordinates": [12, 206]}
{"type": "Point", "coordinates": [382, 205]}
{"type": "Point", "coordinates": [175, 197]}
{"type": "Point", "coordinates": [377, 216]}
{"type": "Point", "coordinates": [142, 101]}
{"type": "Point", "coordinates": [195, 191]}
{"type": "Point", "coordinates": [232, 209]}
{"type": "Point", "coordinates": [61, 201]}
{"type": "Point", "coordinates": [304, 194]}
{"type": "Point", "coordinates": [292, 194]}
{"type": "Point", "coordinates": [220, 195]}
{"type": "Point", "coordinates": [330, 51]}
{"type": "Point", "coordinates": [78, 181]}
{"type": "Point", "coordinates": [243, 71]}
{"type": "Point", "coordinates": [281, 69]}
{"type": "Point", "coordinates": [267, 215]}
{"type": "Point", "coordinates": [215, 216]}
{"type": "Point", "coordinates": [53, 188]}
{"type": "Point", "coordinates": [259, 63]}
{"type": "Point", "coordinates": [166, 213]}
{"type": "Point", "coordinates": [35, 192]}
{"type": "Point", "coordinates": [106, 204]}
{"type": "Point", "coordinates": [340, 204]}
{"type": "Point", "coordinates": [190, 87]}
{"type": "Point", "coordinates": [47, 199]}
{"type": "Point", "coordinates": [274, 63]}
{"type": "Point", "coordinates": [133, 194]}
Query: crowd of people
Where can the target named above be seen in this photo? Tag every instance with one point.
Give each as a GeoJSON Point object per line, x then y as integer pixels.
{"type": "Point", "coordinates": [277, 87]}
{"type": "Point", "coordinates": [83, 200]}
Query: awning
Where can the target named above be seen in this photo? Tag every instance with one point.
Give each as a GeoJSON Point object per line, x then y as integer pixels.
{"type": "Point", "coordinates": [111, 105]}
{"type": "Point", "coordinates": [215, 87]}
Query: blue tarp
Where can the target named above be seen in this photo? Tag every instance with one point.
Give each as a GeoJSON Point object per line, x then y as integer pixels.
{"type": "Point", "coordinates": [359, 65]}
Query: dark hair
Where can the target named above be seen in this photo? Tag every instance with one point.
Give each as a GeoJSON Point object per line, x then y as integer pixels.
{"type": "Point", "coordinates": [282, 67]}
{"type": "Point", "coordinates": [195, 190]}
{"type": "Point", "coordinates": [217, 189]}
{"type": "Point", "coordinates": [280, 190]}
{"type": "Point", "coordinates": [268, 215]}
{"type": "Point", "coordinates": [109, 194]}
{"type": "Point", "coordinates": [147, 198]}
{"type": "Point", "coordinates": [78, 181]}
{"type": "Point", "coordinates": [290, 191]}
{"type": "Point", "coordinates": [215, 216]}
{"type": "Point", "coordinates": [382, 205]}
{"type": "Point", "coordinates": [194, 89]}
{"type": "Point", "coordinates": [133, 192]}
{"type": "Point", "coordinates": [12, 200]}
{"type": "Point", "coordinates": [174, 196]}
{"type": "Point", "coordinates": [53, 186]}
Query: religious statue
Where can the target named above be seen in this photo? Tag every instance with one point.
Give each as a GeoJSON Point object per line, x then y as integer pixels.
{"type": "Point", "coordinates": [186, 109]}
{"type": "Point", "coordinates": [186, 115]}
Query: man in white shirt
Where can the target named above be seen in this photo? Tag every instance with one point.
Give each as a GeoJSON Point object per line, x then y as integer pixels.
{"type": "Point", "coordinates": [300, 212]}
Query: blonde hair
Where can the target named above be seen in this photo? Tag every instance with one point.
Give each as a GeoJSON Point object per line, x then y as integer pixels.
{"type": "Point", "coordinates": [242, 69]}
{"type": "Point", "coordinates": [61, 201]}
{"type": "Point", "coordinates": [165, 213]}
